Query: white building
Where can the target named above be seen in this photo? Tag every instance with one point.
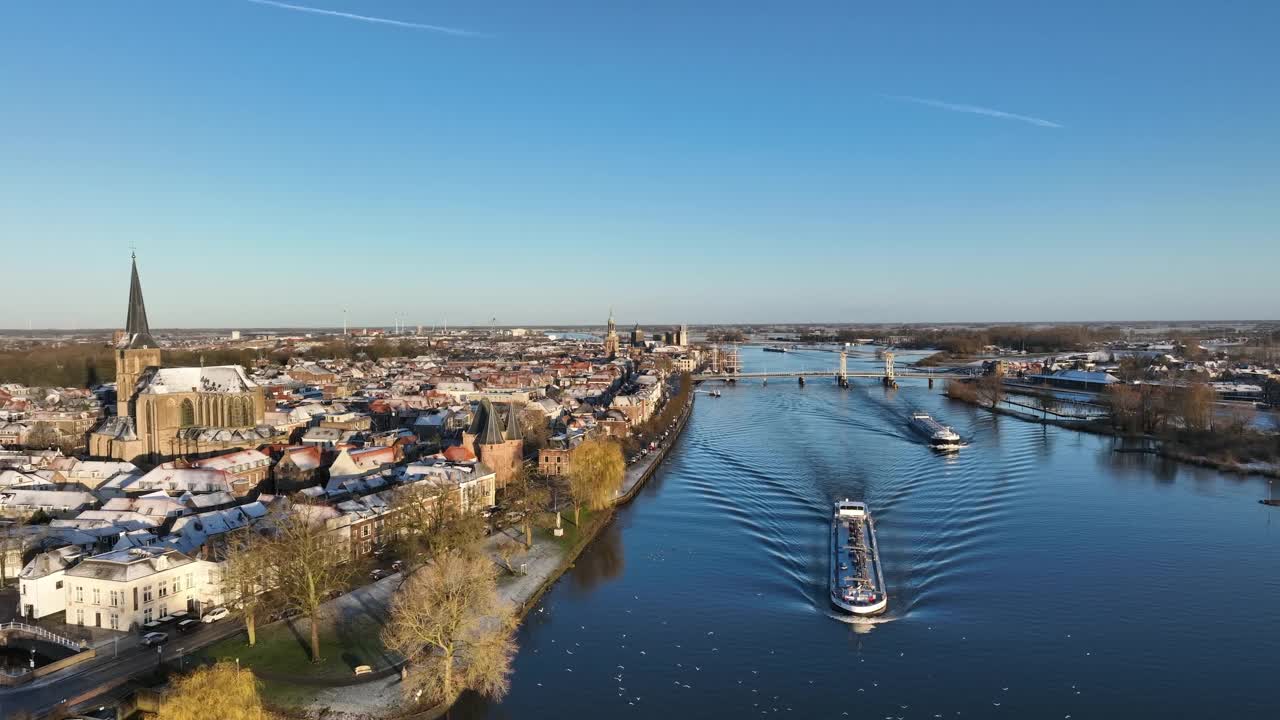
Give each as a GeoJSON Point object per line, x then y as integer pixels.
{"type": "Point", "coordinates": [168, 479]}
{"type": "Point", "coordinates": [55, 503]}
{"type": "Point", "coordinates": [90, 474]}
{"type": "Point", "coordinates": [40, 584]}
{"type": "Point", "coordinates": [126, 589]}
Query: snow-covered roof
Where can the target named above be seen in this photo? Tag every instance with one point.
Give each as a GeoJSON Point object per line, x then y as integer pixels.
{"type": "Point", "coordinates": [229, 462]}
{"type": "Point", "coordinates": [214, 379]}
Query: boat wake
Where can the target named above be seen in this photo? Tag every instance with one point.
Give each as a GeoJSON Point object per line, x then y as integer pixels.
{"type": "Point", "coordinates": [861, 625]}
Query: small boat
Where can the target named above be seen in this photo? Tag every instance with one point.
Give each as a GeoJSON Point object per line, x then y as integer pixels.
{"type": "Point", "coordinates": [856, 581]}
{"type": "Point", "coordinates": [714, 393]}
{"type": "Point", "coordinates": [776, 348]}
{"type": "Point", "coordinates": [939, 436]}
{"type": "Point", "coordinates": [801, 381]}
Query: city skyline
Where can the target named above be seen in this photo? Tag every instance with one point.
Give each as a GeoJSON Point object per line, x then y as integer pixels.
{"type": "Point", "coordinates": [804, 162]}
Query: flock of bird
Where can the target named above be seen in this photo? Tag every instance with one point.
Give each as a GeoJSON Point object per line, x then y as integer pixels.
{"type": "Point", "coordinates": [688, 663]}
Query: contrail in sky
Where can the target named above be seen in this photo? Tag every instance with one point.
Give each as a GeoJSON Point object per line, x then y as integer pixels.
{"type": "Point", "coordinates": [370, 19]}
{"type": "Point", "coordinates": [974, 109]}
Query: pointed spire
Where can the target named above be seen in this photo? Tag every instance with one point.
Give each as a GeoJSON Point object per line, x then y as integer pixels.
{"type": "Point", "coordinates": [137, 331]}
{"type": "Point", "coordinates": [490, 430]}
{"type": "Point", "coordinates": [513, 423]}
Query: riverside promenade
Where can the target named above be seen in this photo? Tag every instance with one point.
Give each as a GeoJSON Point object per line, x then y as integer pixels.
{"type": "Point", "coordinates": [539, 568]}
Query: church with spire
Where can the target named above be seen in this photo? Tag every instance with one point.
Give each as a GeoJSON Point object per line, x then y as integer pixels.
{"type": "Point", "coordinates": [163, 413]}
{"type": "Point", "coordinates": [611, 337]}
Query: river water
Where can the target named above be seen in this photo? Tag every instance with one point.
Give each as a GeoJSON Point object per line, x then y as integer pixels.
{"type": "Point", "coordinates": [1033, 574]}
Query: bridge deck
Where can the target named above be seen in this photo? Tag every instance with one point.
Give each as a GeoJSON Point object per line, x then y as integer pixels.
{"type": "Point", "coordinates": [825, 373]}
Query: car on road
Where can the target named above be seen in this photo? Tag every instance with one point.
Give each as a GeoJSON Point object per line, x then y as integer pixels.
{"type": "Point", "coordinates": [152, 639]}
{"type": "Point", "coordinates": [215, 615]}
{"type": "Point", "coordinates": [377, 573]}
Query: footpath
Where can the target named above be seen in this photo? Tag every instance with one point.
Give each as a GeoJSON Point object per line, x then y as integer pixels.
{"type": "Point", "coordinates": [540, 567]}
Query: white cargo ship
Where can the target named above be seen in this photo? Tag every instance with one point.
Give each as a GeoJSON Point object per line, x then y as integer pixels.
{"type": "Point", "coordinates": [857, 582]}
{"type": "Point", "coordinates": [939, 436]}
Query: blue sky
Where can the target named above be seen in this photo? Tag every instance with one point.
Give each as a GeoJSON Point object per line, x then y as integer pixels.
{"type": "Point", "coordinates": [690, 161]}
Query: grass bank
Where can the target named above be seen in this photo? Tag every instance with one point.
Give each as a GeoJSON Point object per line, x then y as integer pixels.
{"type": "Point", "coordinates": [281, 657]}
{"type": "Point", "coordinates": [1241, 453]}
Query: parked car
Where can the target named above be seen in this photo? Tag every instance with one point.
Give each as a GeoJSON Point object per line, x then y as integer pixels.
{"type": "Point", "coordinates": [187, 626]}
{"type": "Point", "coordinates": [215, 615]}
{"type": "Point", "coordinates": [377, 573]}
{"type": "Point", "coordinates": [397, 566]}
{"type": "Point", "coordinates": [152, 639]}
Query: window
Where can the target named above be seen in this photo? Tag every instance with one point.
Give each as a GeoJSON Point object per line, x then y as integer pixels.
{"type": "Point", "coordinates": [364, 531]}
{"type": "Point", "coordinates": [187, 414]}
{"type": "Point", "coordinates": [115, 599]}
{"type": "Point", "coordinates": [191, 580]}
{"type": "Point", "coordinates": [164, 611]}
{"type": "Point", "coordinates": [146, 594]}
{"type": "Point", "coordinates": [80, 616]}
{"type": "Point", "coordinates": [177, 585]}
{"type": "Point", "coordinates": [164, 589]}
{"type": "Point", "coordinates": [58, 585]}
{"type": "Point", "coordinates": [97, 596]}
{"type": "Point", "coordinates": [79, 594]}
{"type": "Point", "coordinates": [115, 621]}
{"type": "Point", "coordinates": [236, 414]}
{"type": "Point", "coordinates": [146, 615]}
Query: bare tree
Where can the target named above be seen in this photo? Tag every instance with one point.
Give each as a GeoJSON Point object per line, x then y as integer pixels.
{"type": "Point", "coordinates": [1194, 406]}
{"type": "Point", "coordinates": [535, 429]}
{"type": "Point", "coordinates": [596, 470]}
{"type": "Point", "coordinates": [1125, 403]}
{"type": "Point", "coordinates": [526, 495]}
{"type": "Point", "coordinates": [43, 436]}
{"type": "Point", "coordinates": [247, 574]}
{"type": "Point", "coordinates": [509, 549]}
{"type": "Point", "coordinates": [311, 563]}
{"type": "Point", "coordinates": [1135, 368]}
{"type": "Point", "coordinates": [222, 690]}
{"type": "Point", "coordinates": [989, 390]}
{"type": "Point", "coordinates": [1235, 419]}
{"type": "Point", "coordinates": [1048, 402]}
{"type": "Point", "coordinates": [427, 521]}
{"type": "Point", "coordinates": [452, 630]}
{"type": "Point", "coordinates": [13, 537]}
{"type": "Point", "coordinates": [962, 391]}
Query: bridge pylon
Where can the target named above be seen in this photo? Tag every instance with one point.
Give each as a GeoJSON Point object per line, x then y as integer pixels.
{"type": "Point", "coordinates": [842, 376]}
{"type": "Point", "coordinates": [890, 380]}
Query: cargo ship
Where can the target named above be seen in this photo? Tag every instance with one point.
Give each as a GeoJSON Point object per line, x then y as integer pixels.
{"type": "Point", "coordinates": [939, 436]}
{"type": "Point", "coordinates": [857, 582]}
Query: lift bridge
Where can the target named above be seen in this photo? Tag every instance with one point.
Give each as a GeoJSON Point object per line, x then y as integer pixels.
{"type": "Point", "coordinates": [888, 376]}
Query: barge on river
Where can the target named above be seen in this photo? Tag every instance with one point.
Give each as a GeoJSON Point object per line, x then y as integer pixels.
{"type": "Point", "coordinates": [857, 582]}
{"type": "Point", "coordinates": [939, 436]}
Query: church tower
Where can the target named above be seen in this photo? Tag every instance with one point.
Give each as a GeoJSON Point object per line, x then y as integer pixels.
{"type": "Point", "coordinates": [137, 350]}
{"type": "Point", "coordinates": [611, 337]}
